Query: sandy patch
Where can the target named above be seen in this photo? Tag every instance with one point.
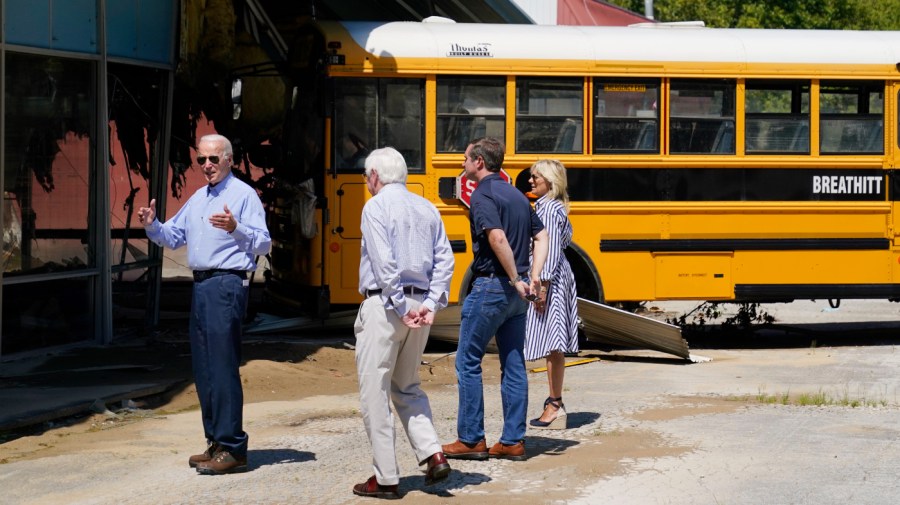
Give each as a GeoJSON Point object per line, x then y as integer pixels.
{"type": "Point", "coordinates": [272, 372]}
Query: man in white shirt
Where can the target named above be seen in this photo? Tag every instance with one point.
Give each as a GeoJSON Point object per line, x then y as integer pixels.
{"type": "Point", "coordinates": [404, 274]}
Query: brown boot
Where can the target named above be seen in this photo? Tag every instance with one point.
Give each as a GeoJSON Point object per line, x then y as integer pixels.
{"type": "Point", "coordinates": [223, 463]}
{"type": "Point", "coordinates": [211, 450]}
{"type": "Point", "coordinates": [515, 452]}
{"type": "Point", "coordinates": [463, 450]}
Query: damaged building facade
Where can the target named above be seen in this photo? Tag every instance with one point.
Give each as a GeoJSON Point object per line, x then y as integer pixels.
{"type": "Point", "coordinates": [86, 89]}
{"type": "Point", "coordinates": [102, 103]}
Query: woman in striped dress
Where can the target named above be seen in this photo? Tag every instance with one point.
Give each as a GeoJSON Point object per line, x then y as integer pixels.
{"type": "Point", "coordinates": [552, 327]}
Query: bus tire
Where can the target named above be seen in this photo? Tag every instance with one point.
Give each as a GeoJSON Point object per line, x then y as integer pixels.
{"type": "Point", "coordinates": [587, 278]}
{"type": "Point", "coordinates": [587, 284]}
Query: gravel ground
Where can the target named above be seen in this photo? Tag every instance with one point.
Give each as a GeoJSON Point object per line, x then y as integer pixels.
{"type": "Point", "coordinates": [644, 428]}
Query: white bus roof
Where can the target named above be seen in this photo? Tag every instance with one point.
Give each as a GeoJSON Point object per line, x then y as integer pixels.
{"type": "Point", "coordinates": [474, 43]}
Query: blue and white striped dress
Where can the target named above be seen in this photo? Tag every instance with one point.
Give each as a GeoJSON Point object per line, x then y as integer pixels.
{"type": "Point", "coordinates": [557, 328]}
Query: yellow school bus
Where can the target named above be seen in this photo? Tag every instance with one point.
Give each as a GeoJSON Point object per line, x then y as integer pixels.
{"type": "Point", "coordinates": [703, 164]}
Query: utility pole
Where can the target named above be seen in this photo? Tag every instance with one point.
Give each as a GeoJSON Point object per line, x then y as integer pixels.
{"type": "Point", "coordinates": [648, 9]}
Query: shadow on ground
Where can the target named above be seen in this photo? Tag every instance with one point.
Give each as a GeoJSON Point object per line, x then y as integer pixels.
{"type": "Point", "coordinates": [266, 457]}
{"type": "Point", "coordinates": [782, 336]}
{"type": "Point", "coordinates": [456, 480]}
{"type": "Point", "coordinates": [547, 445]}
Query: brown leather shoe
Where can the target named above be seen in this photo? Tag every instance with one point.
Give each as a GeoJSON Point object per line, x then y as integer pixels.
{"type": "Point", "coordinates": [373, 489]}
{"type": "Point", "coordinates": [438, 469]}
{"type": "Point", "coordinates": [223, 463]}
{"type": "Point", "coordinates": [515, 452]}
{"type": "Point", "coordinates": [462, 450]}
{"type": "Point", "coordinates": [205, 456]}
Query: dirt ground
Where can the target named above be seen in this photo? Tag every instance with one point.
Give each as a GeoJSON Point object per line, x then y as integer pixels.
{"type": "Point", "coordinates": [282, 371]}
{"type": "Point", "coordinates": [274, 369]}
{"type": "Point", "coordinates": [633, 425]}
{"type": "Point", "coordinates": [278, 370]}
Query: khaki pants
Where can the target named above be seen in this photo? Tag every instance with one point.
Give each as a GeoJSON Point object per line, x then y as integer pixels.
{"type": "Point", "coordinates": [388, 354]}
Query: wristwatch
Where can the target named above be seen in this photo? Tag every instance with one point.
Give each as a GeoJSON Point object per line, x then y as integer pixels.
{"type": "Point", "coordinates": [513, 282]}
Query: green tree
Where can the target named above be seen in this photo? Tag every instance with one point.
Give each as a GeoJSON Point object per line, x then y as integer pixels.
{"type": "Point", "coordinates": [798, 14]}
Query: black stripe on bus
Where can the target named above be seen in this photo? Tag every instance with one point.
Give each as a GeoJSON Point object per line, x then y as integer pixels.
{"type": "Point", "coordinates": [894, 193]}
{"type": "Point", "coordinates": [788, 292]}
{"type": "Point", "coordinates": [729, 184]}
{"type": "Point", "coordinates": [764, 244]}
{"type": "Point", "coordinates": [458, 246]}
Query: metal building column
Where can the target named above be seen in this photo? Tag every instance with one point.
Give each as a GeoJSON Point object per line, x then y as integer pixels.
{"type": "Point", "coordinates": [2, 143]}
{"type": "Point", "coordinates": [103, 238]}
{"type": "Point", "coordinates": [159, 174]}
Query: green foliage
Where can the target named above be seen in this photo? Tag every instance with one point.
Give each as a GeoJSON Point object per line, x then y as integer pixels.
{"type": "Point", "coordinates": [816, 399]}
{"type": "Point", "coordinates": [796, 14]}
{"type": "Point", "coordinates": [747, 315]}
{"type": "Point", "coordinates": [777, 399]}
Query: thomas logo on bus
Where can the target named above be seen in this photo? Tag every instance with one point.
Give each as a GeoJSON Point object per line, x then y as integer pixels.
{"type": "Point", "coordinates": [465, 187]}
{"type": "Point", "coordinates": [479, 50]}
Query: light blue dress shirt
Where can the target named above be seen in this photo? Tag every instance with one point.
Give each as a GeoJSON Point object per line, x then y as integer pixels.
{"type": "Point", "coordinates": [404, 245]}
{"type": "Point", "coordinates": [210, 247]}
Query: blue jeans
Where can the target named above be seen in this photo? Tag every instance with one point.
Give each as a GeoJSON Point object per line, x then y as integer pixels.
{"type": "Point", "coordinates": [217, 312]}
{"type": "Point", "coordinates": [493, 308]}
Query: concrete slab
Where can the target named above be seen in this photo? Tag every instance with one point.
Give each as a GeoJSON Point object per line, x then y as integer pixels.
{"type": "Point", "coordinates": [58, 383]}
{"type": "Point", "coordinates": [27, 406]}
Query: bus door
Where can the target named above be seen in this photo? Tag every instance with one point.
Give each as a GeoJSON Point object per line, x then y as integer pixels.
{"type": "Point", "coordinates": [351, 137]}
{"type": "Point", "coordinates": [367, 113]}
{"type": "Point", "coordinates": [347, 194]}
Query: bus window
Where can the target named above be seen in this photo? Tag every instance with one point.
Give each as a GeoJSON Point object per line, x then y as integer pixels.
{"type": "Point", "coordinates": [549, 115]}
{"type": "Point", "coordinates": [626, 118]}
{"type": "Point", "coordinates": [401, 119]}
{"type": "Point", "coordinates": [374, 113]}
{"type": "Point", "coordinates": [852, 117]}
{"type": "Point", "coordinates": [702, 117]}
{"type": "Point", "coordinates": [469, 108]}
{"type": "Point", "coordinates": [777, 117]}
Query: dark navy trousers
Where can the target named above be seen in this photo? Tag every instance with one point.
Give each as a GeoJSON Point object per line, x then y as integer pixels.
{"type": "Point", "coordinates": [217, 311]}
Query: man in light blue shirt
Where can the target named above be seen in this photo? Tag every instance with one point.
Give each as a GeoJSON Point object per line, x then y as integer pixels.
{"type": "Point", "coordinates": [223, 225]}
{"type": "Point", "coordinates": [404, 275]}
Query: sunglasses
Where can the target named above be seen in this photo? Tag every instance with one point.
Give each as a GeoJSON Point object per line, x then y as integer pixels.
{"type": "Point", "coordinates": [201, 160]}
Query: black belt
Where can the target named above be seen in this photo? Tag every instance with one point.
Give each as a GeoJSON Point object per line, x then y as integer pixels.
{"type": "Point", "coordinates": [492, 275]}
{"type": "Point", "coordinates": [202, 275]}
{"type": "Point", "coordinates": [409, 290]}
